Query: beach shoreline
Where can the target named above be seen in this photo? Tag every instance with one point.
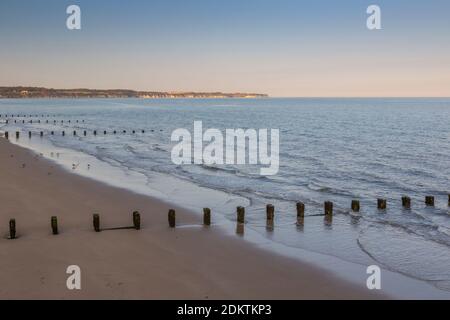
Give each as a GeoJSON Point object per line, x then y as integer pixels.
{"type": "Point", "coordinates": [189, 262]}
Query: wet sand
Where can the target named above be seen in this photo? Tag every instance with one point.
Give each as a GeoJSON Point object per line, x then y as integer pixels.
{"type": "Point", "coordinates": [192, 262]}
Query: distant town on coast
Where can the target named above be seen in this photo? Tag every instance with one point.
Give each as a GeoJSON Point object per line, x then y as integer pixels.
{"type": "Point", "coordinates": [38, 92]}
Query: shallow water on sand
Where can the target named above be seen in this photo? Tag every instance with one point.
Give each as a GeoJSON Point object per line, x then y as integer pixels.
{"type": "Point", "coordinates": [330, 150]}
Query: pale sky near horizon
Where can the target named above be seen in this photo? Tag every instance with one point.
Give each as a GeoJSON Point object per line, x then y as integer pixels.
{"type": "Point", "coordinates": [313, 48]}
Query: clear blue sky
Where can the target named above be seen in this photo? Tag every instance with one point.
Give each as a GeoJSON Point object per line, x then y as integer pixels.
{"type": "Point", "coordinates": [280, 47]}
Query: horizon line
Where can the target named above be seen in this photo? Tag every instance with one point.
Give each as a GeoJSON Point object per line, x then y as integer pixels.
{"type": "Point", "coordinates": [225, 92]}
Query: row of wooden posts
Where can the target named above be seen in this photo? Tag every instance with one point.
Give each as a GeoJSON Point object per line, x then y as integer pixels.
{"type": "Point", "coordinates": [96, 223]}
{"type": "Point", "coordinates": [7, 121]}
{"type": "Point", "coordinates": [75, 133]}
{"type": "Point", "coordinates": [240, 215]}
{"type": "Point", "coordinates": [24, 116]}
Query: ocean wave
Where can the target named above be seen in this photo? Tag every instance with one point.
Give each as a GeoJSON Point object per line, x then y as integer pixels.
{"type": "Point", "coordinates": [406, 252]}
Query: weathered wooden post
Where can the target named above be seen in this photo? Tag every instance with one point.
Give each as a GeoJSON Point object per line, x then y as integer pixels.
{"type": "Point", "coordinates": [406, 202]}
{"type": "Point", "coordinates": [429, 201]}
{"type": "Point", "coordinates": [74, 133]}
{"type": "Point", "coordinates": [12, 229]}
{"type": "Point", "coordinates": [29, 134]}
{"type": "Point", "coordinates": [17, 134]}
{"type": "Point", "coordinates": [240, 214]}
{"type": "Point", "coordinates": [270, 212]}
{"type": "Point", "coordinates": [300, 213]}
{"type": "Point", "coordinates": [207, 216]}
{"type": "Point", "coordinates": [382, 204]}
{"type": "Point", "coordinates": [84, 133]}
{"type": "Point", "coordinates": [7, 135]}
{"type": "Point", "coordinates": [115, 132]}
{"type": "Point", "coordinates": [143, 131]}
{"type": "Point", "coordinates": [449, 200]}
{"type": "Point", "coordinates": [172, 218]}
{"type": "Point", "coordinates": [52, 133]}
{"type": "Point", "coordinates": [95, 132]}
{"type": "Point", "coordinates": [104, 132]}
{"type": "Point", "coordinates": [355, 206]}
{"type": "Point", "coordinates": [54, 224]}
{"type": "Point", "coordinates": [270, 216]}
{"type": "Point", "coordinates": [41, 134]}
{"type": "Point", "coordinates": [96, 221]}
{"type": "Point", "coordinates": [328, 208]}
{"type": "Point", "coordinates": [137, 220]}
{"type": "Point", "coordinates": [64, 133]}
{"type": "Point", "coordinates": [134, 131]}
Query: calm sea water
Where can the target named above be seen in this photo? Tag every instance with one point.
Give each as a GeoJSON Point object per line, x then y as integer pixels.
{"type": "Point", "coordinates": [330, 149]}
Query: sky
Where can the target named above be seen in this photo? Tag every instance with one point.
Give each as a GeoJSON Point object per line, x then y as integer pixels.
{"type": "Point", "coordinates": [285, 48]}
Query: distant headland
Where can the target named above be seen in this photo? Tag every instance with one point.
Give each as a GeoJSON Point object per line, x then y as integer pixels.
{"type": "Point", "coordinates": [37, 92]}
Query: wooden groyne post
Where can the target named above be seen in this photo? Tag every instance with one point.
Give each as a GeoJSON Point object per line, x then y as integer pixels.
{"type": "Point", "coordinates": [12, 229]}
{"type": "Point", "coordinates": [300, 213]}
{"type": "Point", "coordinates": [406, 202]}
{"type": "Point", "coordinates": [17, 134]}
{"type": "Point", "coordinates": [270, 212]}
{"type": "Point", "coordinates": [270, 215]}
{"type": "Point", "coordinates": [207, 216]}
{"type": "Point", "coordinates": [171, 217]}
{"type": "Point", "coordinates": [96, 222]}
{"type": "Point", "coordinates": [240, 214]}
{"type": "Point", "coordinates": [7, 135]}
{"type": "Point", "coordinates": [328, 208]}
{"type": "Point", "coordinates": [54, 224]}
{"type": "Point", "coordinates": [449, 200]}
{"type": "Point", "coordinates": [137, 220]}
{"type": "Point", "coordinates": [429, 201]}
{"type": "Point", "coordinates": [382, 204]}
{"type": "Point", "coordinates": [355, 206]}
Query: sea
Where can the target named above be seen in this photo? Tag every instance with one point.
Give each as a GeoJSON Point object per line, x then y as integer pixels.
{"type": "Point", "coordinates": [330, 149]}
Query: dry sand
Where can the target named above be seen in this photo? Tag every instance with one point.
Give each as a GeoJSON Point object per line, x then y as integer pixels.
{"type": "Point", "coordinates": [154, 263]}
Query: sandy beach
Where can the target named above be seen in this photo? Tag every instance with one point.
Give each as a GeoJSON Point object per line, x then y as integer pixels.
{"type": "Point", "coordinates": [154, 263]}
